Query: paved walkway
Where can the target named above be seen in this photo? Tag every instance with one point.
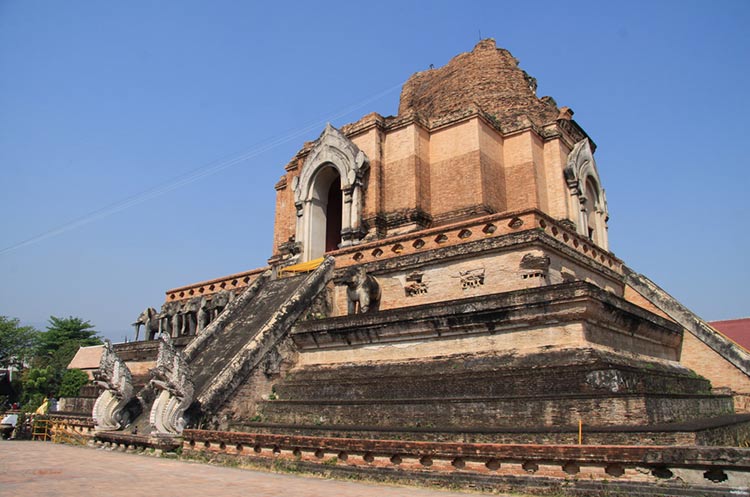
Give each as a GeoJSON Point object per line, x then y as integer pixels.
{"type": "Point", "coordinates": [44, 469]}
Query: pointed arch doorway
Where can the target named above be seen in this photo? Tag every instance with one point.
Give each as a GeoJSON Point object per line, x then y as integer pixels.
{"type": "Point", "coordinates": [328, 196]}
{"type": "Point", "coordinates": [325, 212]}
{"type": "Point", "coordinates": [333, 216]}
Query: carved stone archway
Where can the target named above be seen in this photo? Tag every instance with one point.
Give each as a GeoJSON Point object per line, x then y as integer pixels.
{"type": "Point", "coordinates": [588, 201]}
{"type": "Point", "coordinates": [333, 155]}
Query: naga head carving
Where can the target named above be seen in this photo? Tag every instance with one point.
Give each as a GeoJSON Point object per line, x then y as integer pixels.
{"type": "Point", "coordinates": [113, 374]}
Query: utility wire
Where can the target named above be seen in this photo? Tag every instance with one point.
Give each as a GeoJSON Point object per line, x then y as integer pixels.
{"type": "Point", "coordinates": [192, 176]}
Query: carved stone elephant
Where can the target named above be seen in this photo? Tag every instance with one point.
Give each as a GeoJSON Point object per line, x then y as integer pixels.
{"type": "Point", "coordinates": [176, 322]}
{"type": "Point", "coordinates": [204, 315]}
{"type": "Point", "coordinates": [149, 318]}
{"type": "Point", "coordinates": [166, 317]}
{"type": "Point", "coordinates": [362, 291]}
{"type": "Point", "coordinates": [218, 302]}
{"type": "Point", "coordinates": [189, 314]}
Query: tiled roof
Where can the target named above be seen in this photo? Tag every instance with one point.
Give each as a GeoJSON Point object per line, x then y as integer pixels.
{"type": "Point", "coordinates": [87, 358]}
{"type": "Point", "coordinates": [737, 330]}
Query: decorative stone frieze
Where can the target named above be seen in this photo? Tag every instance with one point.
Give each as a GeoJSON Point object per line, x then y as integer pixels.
{"type": "Point", "coordinates": [533, 261]}
{"type": "Point", "coordinates": [415, 285]}
{"type": "Point", "coordinates": [471, 278]}
{"type": "Point", "coordinates": [233, 282]}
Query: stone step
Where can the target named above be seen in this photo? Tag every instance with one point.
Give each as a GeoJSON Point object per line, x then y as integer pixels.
{"type": "Point", "coordinates": [438, 380]}
{"type": "Point", "coordinates": [728, 430]}
{"type": "Point", "coordinates": [230, 340]}
{"type": "Point", "coordinates": [549, 409]}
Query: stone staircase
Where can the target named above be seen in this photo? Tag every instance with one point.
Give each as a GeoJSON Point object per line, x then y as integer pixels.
{"type": "Point", "coordinates": [493, 398]}
{"type": "Point", "coordinates": [227, 354]}
{"type": "Point", "coordinates": [736, 355]}
{"type": "Point", "coordinates": [537, 394]}
{"type": "Point", "coordinates": [232, 346]}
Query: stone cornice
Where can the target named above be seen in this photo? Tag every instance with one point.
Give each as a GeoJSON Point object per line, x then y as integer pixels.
{"type": "Point", "coordinates": [456, 239]}
{"type": "Point", "coordinates": [461, 238]}
{"type": "Point", "coordinates": [230, 282]}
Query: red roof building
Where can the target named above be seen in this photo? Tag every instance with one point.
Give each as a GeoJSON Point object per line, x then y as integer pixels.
{"type": "Point", "coordinates": [737, 330]}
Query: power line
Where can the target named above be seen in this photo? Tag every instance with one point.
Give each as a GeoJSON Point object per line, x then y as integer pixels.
{"type": "Point", "coordinates": [192, 176]}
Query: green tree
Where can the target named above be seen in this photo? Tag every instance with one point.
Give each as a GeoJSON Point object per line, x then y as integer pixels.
{"type": "Point", "coordinates": [17, 343]}
{"type": "Point", "coordinates": [37, 384]}
{"type": "Point", "coordinates": [72, 381]}
{"type": "Point", "coordinates": [57, 346]}
{"type": "Point", "coordinates": [63, 337]}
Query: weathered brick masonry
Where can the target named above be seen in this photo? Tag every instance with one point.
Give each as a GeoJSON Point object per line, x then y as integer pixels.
{"type": "Point", "coordinates": [472, 229]}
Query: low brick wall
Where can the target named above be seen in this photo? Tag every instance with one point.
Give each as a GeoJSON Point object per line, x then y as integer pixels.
{"type": "Point", "coordinates": [730, 431]}
{"type": "Point", "coordinates": [580, 469]}
{"type": "Point", "coordinates": [76, 405]}
{"type": "Point", "coordinates": [129, 442]}
{"type": "Point", "coordinates": [231, 282]}
{"type": "Point", "coordinates": [71, 429]}
{"type": "Point", "coordinates": [491, 226]}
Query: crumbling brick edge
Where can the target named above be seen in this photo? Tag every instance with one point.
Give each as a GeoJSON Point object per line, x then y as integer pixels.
{"type": "Point", "coordinates": [573, 469]}
{"type": "Point", "coordinates": [538, 469]}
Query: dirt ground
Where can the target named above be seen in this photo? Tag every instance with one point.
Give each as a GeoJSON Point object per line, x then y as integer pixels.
{"type": "Point", "coordinates": [41, 469]}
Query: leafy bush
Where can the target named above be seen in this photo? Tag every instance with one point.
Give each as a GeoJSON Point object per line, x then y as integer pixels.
{"type": "Point", "coordinates": [42, 381]}
{"type": "Point", "coordinates": [72, 381]}
{"type": "Point", "coordinates": [33, 402]}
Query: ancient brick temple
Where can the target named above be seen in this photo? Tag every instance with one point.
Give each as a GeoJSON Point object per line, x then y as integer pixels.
{"type": "Point", "coordinates": [442, 275]}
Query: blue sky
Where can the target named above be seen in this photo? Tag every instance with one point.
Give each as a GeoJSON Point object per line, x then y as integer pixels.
{"type": "Point", "coordinates": [114, 112]}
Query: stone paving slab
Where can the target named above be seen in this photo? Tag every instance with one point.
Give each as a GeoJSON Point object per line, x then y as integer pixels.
{"type": "Point", "coordinates": [44, 469]}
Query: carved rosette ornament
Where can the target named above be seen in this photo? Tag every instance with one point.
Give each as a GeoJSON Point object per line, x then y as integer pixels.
{"type": "Point", "coordinates": [172, 380]}
{"type": "Point", "coordinates": [114, 377]}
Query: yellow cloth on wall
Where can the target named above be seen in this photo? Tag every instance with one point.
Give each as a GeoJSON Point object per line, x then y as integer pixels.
{"type": "Point", "coordinates": [303, 267]}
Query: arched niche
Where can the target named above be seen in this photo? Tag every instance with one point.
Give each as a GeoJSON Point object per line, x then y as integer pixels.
{"type": "Point", "coordinates": [333, 173]}
{"type": "Point", "coordinates": [324, 211]}
{"type": "Point", "coordinates": [588, 206]}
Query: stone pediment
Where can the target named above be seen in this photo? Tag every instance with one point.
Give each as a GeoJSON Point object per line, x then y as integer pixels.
{"type": "Point", "coordinates": [587, 194]}
{"type": "Point", "coordinates": [332, 155]}
{"type": "Point", "coordinates": [581, 164]}
{"type": "Point", "coordinates": [333, 148]}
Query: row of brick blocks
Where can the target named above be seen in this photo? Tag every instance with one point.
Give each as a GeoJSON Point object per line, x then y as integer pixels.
{"type": "Point", "coordinates": [727, 467]}
{"type": "Point", "coordinates": [468, 231]}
